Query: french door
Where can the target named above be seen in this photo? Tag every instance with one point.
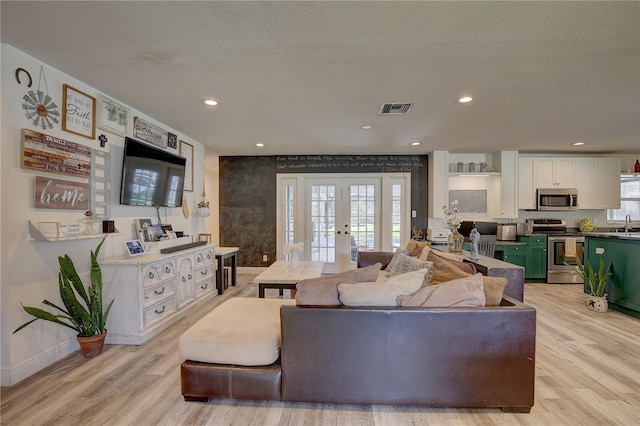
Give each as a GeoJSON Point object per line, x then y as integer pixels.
{"type": "Point", "coordinates": [335, 216]}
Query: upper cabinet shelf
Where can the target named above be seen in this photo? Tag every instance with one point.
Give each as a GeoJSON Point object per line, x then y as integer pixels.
{"type": "Point", "coordinates": [474, 173]}
{"type": "Point", "coordinates": [38, 236]}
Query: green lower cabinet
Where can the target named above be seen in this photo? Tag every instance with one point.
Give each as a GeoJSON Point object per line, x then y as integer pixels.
{"type": "Point", "coordinates": [536, 264]}
{"type": "Point", "coordinates": [623, 288]}
{"type": "Point", "coordinates": [516, 255]}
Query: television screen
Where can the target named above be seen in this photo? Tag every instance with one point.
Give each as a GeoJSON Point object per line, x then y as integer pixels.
{"type": "Point", "coordinates": [151, 176]}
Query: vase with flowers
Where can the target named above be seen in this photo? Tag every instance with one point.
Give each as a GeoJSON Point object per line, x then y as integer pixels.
{"type": "Point", "coordinates": [293, 250]}
{"type": "Point", "coordinates": [455, 239]}
{"type": "Point", "coordinates": [460, 166]}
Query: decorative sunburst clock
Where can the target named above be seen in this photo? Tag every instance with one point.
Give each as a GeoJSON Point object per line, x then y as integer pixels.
{"type": "Point", "coordinates": [39, 107]}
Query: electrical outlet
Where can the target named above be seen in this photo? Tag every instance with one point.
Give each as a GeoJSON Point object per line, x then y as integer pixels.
{"type": "Point", "coordinates": [265, 258]}
{"type": "Point", "coordinates": [414, 213]}
{"type": "Point", "coordinates": [599, 250]}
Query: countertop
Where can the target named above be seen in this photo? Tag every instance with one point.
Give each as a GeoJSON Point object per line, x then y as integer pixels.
{"type": "Point", "coordinates": [487, 262]}
{"type": "Point", "coordinates": [635, 236]}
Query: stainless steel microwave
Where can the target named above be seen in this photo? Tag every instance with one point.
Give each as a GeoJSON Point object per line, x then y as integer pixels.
{"type": "Point", "coordinates": [557, 199]}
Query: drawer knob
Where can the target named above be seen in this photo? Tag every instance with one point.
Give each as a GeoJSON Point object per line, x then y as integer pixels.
{"type": "Point", "coordinates": [151, 275]}
{"type": "Point", "coordinates": [167, 269]}
{"type": "Point", "coordinates": [184, 280]}
{"type": "Point", "coordinates": [204, 286]}
{"type": "Point", "coordinates": [190, 276]}
{"type": "Point", "coordinates": [209, 256]}
{"type": "Point", "coordinates": [159, 292]}
{"type": "Point", "coordinates": [161, 311]}
{"type": "Point", "coordinates": [204, 272]}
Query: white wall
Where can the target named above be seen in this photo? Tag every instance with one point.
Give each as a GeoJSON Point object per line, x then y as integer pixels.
{"type": "Point", "coordinates": [28, 269]}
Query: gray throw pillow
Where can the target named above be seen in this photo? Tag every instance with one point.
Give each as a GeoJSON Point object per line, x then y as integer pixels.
{"type": "Point", "coordinates": [405, 263]}
{"type": "Point", "coordinates": [323, 291]}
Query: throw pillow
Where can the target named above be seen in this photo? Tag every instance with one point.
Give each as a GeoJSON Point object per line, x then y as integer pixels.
{"type": "Point", "coordinates": [405, 263]}
{"type": "Point", "coordinates": [444, 270]}
{"type": "Point", "coordinates": [467, 267]}
{"type": "Point", "coordinates": [323, 291]}
{"type": "Point", "coordinates": [461, 292]}
{"type": "Point", "coordinates": [394, 259]}
{"type": "Point", "coordinates": [381, 294]}
{"type": "Point", "coordinates": [493, 289]}
{"type": "Point", "coordinates": [415, 247]}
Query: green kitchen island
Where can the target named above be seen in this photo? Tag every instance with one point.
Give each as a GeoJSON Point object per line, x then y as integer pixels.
{"type": "Point", "coordinates": [622, 249]}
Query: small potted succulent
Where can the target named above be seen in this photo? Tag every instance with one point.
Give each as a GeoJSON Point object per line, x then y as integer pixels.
{"type": "Point", "coordinates": [203, 209]}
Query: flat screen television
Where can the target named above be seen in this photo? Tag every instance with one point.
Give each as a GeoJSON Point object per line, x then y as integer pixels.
{"type": "Point", "coordinates": [151, 176]}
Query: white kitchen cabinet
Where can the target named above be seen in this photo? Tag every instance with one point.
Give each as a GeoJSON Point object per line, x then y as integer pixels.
{"type": "Point", "coordinates": [606, 183]}
{"type": "Point", "coordinates": [526, 184]}
{"type": "Point", "coordinates": [584, 183]}
{"type": "Point", "coordinates": [598, 182]}
{"type": "Point", "coordinates": [555, 172]}
{"type": "Point", "coordinates": [507, 163]}
{"type": "Point", "coordinates": [153, 291]}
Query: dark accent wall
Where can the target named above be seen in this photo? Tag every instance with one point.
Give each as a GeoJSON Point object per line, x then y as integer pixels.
{"type": "Point", "coordinates": [248, 194]}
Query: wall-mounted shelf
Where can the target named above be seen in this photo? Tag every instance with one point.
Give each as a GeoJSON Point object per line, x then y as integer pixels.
{"type": "Point", "coordinates": [37, 235]}
{"type": "Point", "coordinates": [474, 174]}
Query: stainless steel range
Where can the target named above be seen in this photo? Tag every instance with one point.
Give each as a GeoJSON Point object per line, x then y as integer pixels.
{"type": "Point", "coordinates": [561, 244]}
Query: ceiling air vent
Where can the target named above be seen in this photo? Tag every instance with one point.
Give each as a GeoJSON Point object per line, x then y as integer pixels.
{"type": "Point", "coordinates": [395, 108]}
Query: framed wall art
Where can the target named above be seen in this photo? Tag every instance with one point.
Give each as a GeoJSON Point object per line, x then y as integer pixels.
{"type": "Point", "coordinates": [149, 132]}
{"type": "Point", "coordinates": [46, 153]}
{"type": "Point", "coordinates": [186, 151]}
{"type": "Point", "coordinates": [112, 116]}
{"type": "Point", "coordinates": [79, 112]}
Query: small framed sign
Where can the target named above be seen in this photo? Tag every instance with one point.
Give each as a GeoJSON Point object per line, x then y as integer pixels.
{"type": "Point", "coordinates": [53, 193]}
{"type": "Point", "coordinates": [79, 112]}
{"type": "Point", "coordinates": [113, 116]}
{"type": "Point", "coordinates": [149, 132]}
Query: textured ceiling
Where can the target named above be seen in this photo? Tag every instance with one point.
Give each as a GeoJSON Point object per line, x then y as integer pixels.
{"type": "Point", "coordinates": [303, 77]}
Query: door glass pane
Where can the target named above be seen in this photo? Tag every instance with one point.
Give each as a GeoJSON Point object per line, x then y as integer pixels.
{"type": "Point", "coordinates": [288, 213]}
{"type": "Point", "coordinates": [396, 215]}
{"type": "Point", "coordinates": [362, 208]}
{"type": "Point", "coordinates": [323, 223]}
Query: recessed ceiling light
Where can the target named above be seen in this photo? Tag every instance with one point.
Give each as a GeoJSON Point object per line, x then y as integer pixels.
{"type": "Point", "coordinates": [210, 102]}
{"type": "Point", "coordinates": [415, 143]}
{"type": "Point", "coordinates": [259, 144]}
{"type": "Point", "coordinates": [465, 99]}
{"type": "Point", "coordinates": [578, 143]}
{"type": "Point", "coordinates": [366, 127]}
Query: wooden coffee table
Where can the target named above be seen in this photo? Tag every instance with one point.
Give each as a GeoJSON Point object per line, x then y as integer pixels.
{"type": "Point", "coordinates": [280, 275]}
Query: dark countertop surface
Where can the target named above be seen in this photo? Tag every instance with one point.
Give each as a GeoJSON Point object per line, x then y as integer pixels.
{"type": "Point", "coordinates": [635, 236]}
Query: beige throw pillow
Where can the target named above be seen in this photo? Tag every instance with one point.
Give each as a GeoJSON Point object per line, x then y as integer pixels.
{"type": "Point", "coordinates": [323, 291]}
{"type": "Point", "coordinates": [461, 292]}
{"type": "Point", "coordinates": [381, 294]}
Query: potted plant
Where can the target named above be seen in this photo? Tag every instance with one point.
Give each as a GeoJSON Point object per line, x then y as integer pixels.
{"type": "Point", "coordinates": [203, 209]}
{"type": "Point", "coordinates": [88, 319]}
{"type": "Point", "coordinates": [596, 282]}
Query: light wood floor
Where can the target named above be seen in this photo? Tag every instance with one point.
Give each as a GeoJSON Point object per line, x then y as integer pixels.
{"type": "Point", "coordinates": [588, 373]}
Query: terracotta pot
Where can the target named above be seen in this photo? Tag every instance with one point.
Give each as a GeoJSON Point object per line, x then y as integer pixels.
{"type": "Point", "coordinates": [598, 304]}
{"type": "Point", "coordinates": [91, 346]}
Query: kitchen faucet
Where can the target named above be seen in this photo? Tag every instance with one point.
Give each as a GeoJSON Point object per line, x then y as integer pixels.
{"type": "Point", "coordinates": [627, 223]}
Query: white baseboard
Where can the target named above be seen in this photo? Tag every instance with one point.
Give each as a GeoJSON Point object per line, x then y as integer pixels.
{"type": "Point", "coordinates": [11, 376]}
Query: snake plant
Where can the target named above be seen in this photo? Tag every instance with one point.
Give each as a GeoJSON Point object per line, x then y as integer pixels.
{"type": "Point", "coordinates": [88, 318]}
{"type": "Point", "coordinates": [597, 282]}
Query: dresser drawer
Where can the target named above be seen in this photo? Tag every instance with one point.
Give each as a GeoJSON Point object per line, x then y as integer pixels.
{"type": "Point", "coordinates": [204, 257]}
{"type": "Point", "coordinates": [159, 311]}
{"type": "Point", "coordinates": [153, 294]}
{"type": "Point", "coordinates": [153, 274]}
{"type": "Point", "coordinates": [204, 286]}
{"type": "Point", "coordinates": [204, 273]}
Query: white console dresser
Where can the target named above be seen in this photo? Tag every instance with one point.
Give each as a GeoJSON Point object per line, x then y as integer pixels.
{"type": "Point", "coordinates": [155, 290]}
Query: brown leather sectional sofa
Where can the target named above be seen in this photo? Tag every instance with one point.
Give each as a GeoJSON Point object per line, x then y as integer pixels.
{"type": "Point", "coordinates": [445, 357]}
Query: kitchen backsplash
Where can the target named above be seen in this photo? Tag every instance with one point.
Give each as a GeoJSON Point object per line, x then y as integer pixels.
{"type": "Point", "coordinates": [598, 217]}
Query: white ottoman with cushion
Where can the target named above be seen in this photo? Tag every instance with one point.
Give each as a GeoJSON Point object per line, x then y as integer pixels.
{"type": "Point", "coordinates": [234, 351]}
